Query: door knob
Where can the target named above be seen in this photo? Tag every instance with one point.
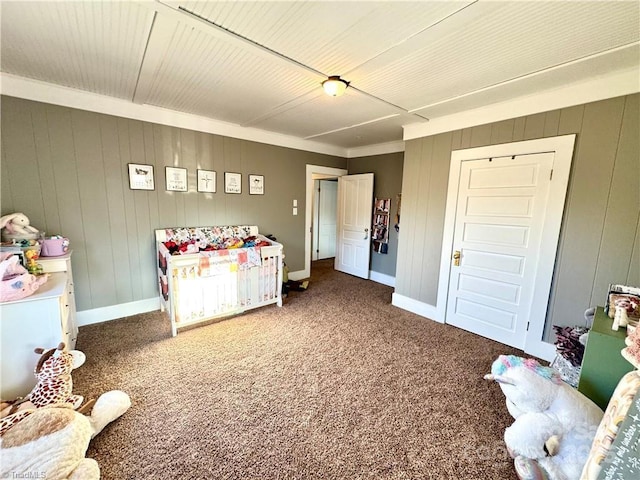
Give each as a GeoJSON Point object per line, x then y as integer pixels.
{"type": "Point", "coordinates": [456, 258]}
{"type": "Point", "coordinates": [366, 233]}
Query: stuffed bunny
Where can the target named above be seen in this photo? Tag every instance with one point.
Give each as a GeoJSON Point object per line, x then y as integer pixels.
{"type": "Point", "coordinates": [17, 224]}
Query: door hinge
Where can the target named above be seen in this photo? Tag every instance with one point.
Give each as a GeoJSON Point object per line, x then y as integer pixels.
{"type": "Point", "coordinates": [551, 174]}
{"type": "Point", "coordinates": [528, 323]}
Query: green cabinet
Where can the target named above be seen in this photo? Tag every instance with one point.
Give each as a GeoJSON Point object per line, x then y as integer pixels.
{"type": "Point", "coordinates": [603, 366]}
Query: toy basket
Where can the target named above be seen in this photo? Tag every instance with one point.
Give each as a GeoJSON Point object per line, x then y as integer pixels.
{"type": "Point", "coordinates": [54, 247]}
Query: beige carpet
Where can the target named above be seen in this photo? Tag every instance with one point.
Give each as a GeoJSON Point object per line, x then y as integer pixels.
{"type": "Point", "coordinates": [336, 384]}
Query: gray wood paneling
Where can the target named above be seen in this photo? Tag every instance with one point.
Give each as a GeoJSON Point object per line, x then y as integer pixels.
{"type": "Point", "coordinates": [420, 221]}
{"type": "Point", "coordinates": [633, 277]}
{"type": "Point", "coordinates": [130, 234]}
{"type": "Point", "coordinates": [165, 157]}
{"type": "Point", "coordinates": [410, 196]}
{"type": "Point", "coordinates": [591, 180]}
{"type": "Point", "coordinates": [518, 129]}
{"type": "Point", "coordinates": [596, 246]}
{"type": "Point", "coordinates": [46, 171]}
{"type": "Point", "coordinates": [188, 151]}
{"type": "Point", "coordinates": [534, 126]}
{"type": "Point", "coordinates": [551, 123]}
{"type": "Point", "coordinates": [480, 135]}
{"type": "Point", "coordinates": [66, 180]}
{"type": "Point", "coordinates": [116, 207]}
{"type": "Point", "coordinates": [71, 170]}
{"type": "Point", "coordinates": [141, 201]}
{"type": "Point", "coordinates": [94, 211]}
{"type": "Point", "coordinates": [437, 196]}
{"type": "Point", "coordinates": [6, 197]}
{"type": "Point", "coordinates": [24, 172]}
{"type": "Point", "coordinates": [619, 232]}
{"type": "Point", "coordinates": [502, 132]}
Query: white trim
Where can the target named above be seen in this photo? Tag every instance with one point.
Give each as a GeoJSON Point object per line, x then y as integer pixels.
{"type": "Point", "coordinates": [382, 278]}
{"type": "Point", "coordinates": [113, 312]}
{"type": "Point", "coordinates": [563, 148]}
{"type": "Point", "coordinates": [314, 172]}
{"type": "Point", "coordinates": [543, 350]}
{"type": "Point", "coordinates": [28, 89]}
{"type": "Point", "coordinates": [298, 275]}
{"type": "Point", "coordinates": [615, 84]}
{"type": "Point", "coordinates": [378, 149]}
{"type": "Point", "coordinates": [415, 306]}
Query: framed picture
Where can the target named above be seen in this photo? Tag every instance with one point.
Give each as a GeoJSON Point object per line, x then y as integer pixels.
{"type": "Point", "coordinates": [176, 179]}
{"type": "Point", "coordinates": [141, 177]}
{"type": "Point", "coordinates": [207, 181]}
{"type": "Point", "coordinates": [256, 184]}
{"type": "Point", "coordinates": [232, 182]}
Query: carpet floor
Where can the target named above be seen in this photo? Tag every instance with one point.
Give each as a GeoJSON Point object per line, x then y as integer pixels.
{"type": "Point", "coordinates": [336, 384]}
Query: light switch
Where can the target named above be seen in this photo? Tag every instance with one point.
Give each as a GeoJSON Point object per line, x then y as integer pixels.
{"type": "Point", "coordinates": [295, 210]}
{"type": "Point", "coordinates": [295, 203]}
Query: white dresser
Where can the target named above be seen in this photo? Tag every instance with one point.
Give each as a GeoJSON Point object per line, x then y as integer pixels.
{"type": "Point", "coordinates": [43, 319]}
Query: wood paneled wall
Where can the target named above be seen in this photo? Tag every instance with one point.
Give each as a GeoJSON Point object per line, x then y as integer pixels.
{"type": "Point", "coordinates": [66, 169]}
{"type": "Point", "coordinates": [600, 236]}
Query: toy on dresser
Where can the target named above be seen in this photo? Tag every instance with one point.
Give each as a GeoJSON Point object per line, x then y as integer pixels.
{"type": "Point", "coordinates": [15, 281]}
{"type": "Point", "coordinates": [17, 226]}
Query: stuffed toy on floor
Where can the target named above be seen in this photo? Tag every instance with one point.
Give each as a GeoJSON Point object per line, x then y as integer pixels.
{"type": "Point", "coordinates": [554, 423]}
{"type": "Point", "coordinates": [44, 434]}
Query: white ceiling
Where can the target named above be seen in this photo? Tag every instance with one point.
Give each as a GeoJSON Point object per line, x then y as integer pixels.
{"type": "Point", "coordinates": [259, 64]}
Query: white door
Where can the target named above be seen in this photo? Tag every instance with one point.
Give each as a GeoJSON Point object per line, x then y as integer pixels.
{"type": "Point", "coordinates": [355, 208]}
{"type": "Point", "coordinates": [327, 224]}
{"type": "Point", "coordinates": [500, 215]}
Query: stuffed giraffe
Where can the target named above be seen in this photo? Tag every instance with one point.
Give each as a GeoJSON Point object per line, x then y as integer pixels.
{"type": "Point", "coordinates": [54, 385]}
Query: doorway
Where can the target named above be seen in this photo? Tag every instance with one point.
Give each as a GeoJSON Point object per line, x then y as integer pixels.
{"type": "Point", "coordinates": [325, 207]}
{"type": "Point", "coordinates": [313, 173]}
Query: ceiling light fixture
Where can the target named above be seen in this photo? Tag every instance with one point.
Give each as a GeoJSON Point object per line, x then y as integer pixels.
{"type": "Point", "coordinates": [335, 86]}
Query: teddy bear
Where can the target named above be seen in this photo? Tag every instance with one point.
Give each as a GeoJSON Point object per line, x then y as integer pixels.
{"type": "Point", "coordinates": [554, 423]}
{"type": "Point", "coordinates": [17, 224]}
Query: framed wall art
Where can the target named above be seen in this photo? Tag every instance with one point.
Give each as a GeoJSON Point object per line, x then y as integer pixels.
{"type": "Point", "coordinates": [176, 179]}
{"type": "Point", "coordinates": [207, 181]}
{"type": "Point", "coordinates": [232, 182]}
{"type": "Point", "coordinates": [141, 177]}
{"type": "Point", "coordinates": [256, 184]}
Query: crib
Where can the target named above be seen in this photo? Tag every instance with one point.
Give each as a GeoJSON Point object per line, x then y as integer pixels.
{"type": "Point", "coordinates": [206, 273]}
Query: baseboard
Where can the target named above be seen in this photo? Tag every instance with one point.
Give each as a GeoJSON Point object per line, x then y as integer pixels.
{"type": "Point", "coordinates": [382, 278]}
{"type": "Point", "coordinates": [417, 307]}
{"type": "Point", "coordinates": [112, 312]}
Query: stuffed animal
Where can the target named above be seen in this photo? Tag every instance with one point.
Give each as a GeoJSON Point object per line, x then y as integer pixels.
{"type": "Point", "coordinates": [554, 424]}
{"type": "Point", "coordinates": [15, 281]}
{"type": "Point", "coordinates": [54, 385]}
{"type": "Point", "coordinates": [53, 440]}
{"type": "Point", "coordinates": [17, 224]}
{"type": "Point", "coordinates": [44, 433]}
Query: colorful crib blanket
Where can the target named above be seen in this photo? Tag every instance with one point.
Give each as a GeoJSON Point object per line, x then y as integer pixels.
{"type": "Point", "coordinates": [216, 262]}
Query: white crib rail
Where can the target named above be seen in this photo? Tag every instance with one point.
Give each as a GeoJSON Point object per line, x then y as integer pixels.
{"type": "Point", "coordinates": [193, 298]}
